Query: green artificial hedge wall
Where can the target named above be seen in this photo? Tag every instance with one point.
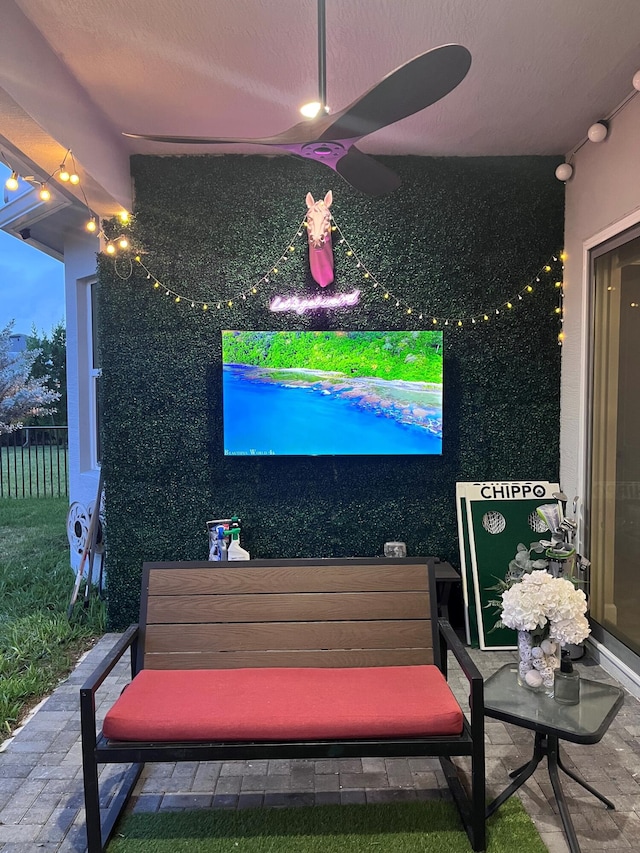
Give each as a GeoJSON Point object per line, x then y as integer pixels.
{"type": "Point", "coordinates": [460, 236]}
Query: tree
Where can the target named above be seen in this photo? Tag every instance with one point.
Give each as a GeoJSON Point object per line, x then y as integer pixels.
{"type": "Point", "coordinates": [20, 396]}
{"type": "Point", "coordinates": [50, 365]}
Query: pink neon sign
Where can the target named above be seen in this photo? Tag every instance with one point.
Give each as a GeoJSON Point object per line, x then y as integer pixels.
{"type": "Point", "coordinates": [299, 305]}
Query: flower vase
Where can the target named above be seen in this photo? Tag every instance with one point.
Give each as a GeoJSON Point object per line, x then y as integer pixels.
{"type": "Point", "coordinates": [538, 662]}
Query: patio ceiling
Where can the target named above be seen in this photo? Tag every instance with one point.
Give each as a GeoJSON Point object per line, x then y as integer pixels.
{"type": "Point", "coordinates": [77, 73]}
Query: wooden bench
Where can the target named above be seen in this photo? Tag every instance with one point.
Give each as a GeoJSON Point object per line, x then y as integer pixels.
{"type": "Point", "coordinates": [353, 645]}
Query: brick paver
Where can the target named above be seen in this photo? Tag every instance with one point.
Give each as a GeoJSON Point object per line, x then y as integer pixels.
{"type": "Point", "coordinates": [41, 804]}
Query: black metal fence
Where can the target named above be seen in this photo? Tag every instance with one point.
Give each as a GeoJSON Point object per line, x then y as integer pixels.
{"type": "Point", "coordinates": [34, 463]}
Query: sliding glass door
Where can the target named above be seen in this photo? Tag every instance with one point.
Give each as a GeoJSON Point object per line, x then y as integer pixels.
{"type": "Point", "coordinates": [615, 444]}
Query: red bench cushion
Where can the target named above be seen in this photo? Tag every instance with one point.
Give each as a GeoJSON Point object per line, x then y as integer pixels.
{"type": "Point", "coordinates": [284, 704]}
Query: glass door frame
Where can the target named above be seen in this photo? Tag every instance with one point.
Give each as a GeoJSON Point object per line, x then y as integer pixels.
{"type": "Point", "coordinates": [605, 243]}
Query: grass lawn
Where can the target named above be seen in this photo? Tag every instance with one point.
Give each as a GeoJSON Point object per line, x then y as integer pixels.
{"type": "Point", "coordinates": [431, 826]}
{"type": "Point", "coordinates": [38, 644]}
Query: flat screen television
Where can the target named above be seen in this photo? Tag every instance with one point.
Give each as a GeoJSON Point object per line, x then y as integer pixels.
{"type": "Point", "coordinates": [337, 393]}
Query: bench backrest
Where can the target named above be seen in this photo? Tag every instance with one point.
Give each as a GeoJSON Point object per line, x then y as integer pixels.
{"type": "Point", "coordinates": [324, 612]}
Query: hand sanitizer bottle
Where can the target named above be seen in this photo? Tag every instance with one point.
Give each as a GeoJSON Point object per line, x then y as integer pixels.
{"type": "Point", "coordinates": [566, 682]}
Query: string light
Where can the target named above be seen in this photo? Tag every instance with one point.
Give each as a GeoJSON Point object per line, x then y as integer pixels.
{"type": "Point", "coordinates": [366, 274]}
{"type": "Point", "coordinates": [12, 182]}
{"type": "Point", "coordinates": [69, 175]}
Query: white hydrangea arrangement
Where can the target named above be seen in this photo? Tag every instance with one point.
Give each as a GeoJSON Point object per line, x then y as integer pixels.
{"type": "Point", "coordinates": [540, 601]}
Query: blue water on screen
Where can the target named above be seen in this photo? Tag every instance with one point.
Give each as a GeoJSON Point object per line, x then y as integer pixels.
{"type": "Point", "coordinates": [267, 418]}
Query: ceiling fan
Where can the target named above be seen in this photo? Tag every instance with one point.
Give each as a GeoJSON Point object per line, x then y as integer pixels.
{"type": "Point", "coordinates": [331, 138]}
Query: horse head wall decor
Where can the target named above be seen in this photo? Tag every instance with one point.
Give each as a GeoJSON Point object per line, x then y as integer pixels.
{"type": "Point", "coordinates": [319, 236]}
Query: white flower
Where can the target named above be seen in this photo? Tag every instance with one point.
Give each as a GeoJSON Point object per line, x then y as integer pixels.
{"type": "Point", "coordinates": [539, 600]}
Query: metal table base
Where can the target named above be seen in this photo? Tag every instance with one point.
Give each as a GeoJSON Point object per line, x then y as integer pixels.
{"type": "Point", "coordinates": [548, 744]}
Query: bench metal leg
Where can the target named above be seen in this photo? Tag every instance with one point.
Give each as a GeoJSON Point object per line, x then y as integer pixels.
{"type": "Point", "coordinates": [100, 824]}
{"type": "Point", "coordinates": [472, 809]}
{"type": "Point", "coordinates": [92, 803]}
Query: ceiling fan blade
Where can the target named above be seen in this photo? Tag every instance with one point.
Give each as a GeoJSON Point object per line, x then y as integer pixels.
{"type": "Point", "coordinates": [407, 90]}
{"type": "Point", "coordinates": [203, 140]}
{"type": "Point", "coordinates": [366, 174]}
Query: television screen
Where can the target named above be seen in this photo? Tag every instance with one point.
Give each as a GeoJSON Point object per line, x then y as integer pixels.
{"type": "Point", "coordinates": [331, 393]}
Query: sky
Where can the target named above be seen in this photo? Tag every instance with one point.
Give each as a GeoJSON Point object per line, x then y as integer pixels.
{"type": "Point", "coordinates": [31, 283]}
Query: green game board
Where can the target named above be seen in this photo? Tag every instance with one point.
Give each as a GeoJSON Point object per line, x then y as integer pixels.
{"type": "Point", "coordinates": [493, 518]}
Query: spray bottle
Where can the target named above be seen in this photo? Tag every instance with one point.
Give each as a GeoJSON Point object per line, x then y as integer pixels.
{"type": "Point", "coordinates": [235, 551]}
{"type": "Point", "coordinates": [222, 551]}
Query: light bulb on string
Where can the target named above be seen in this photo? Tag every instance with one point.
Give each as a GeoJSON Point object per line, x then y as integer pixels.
{"type": "Point", "coordinates": [111, 249]}
{"type": "Point", "coordinates": [91, 225]}
{"type": "Point", "coordinates": [12, 182]}
{"type": "Point", "coordinates": [598, 131]}
{"type": "Point", "coordinates": [64, 173]}
{"type": "Point", "coordinates": [73, 178]}
{"type": "Point", "coordinates": [564, 172]}
{"type": "Point", "coordinates": [44, 193]}
{"type": "Point", "coordinates": [123, 242]}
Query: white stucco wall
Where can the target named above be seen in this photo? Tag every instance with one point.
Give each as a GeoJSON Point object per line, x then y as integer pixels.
{"type": "Point", "coordinates": [80, 269]}
{"type": "Point", "coordinates": [602, 200]}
